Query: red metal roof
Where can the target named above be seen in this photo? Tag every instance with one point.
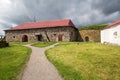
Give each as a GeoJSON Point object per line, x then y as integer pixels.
{"type": "Point", "coordinates": [113, 24]}
{"type": "Point", "coordinates": [44, 24]}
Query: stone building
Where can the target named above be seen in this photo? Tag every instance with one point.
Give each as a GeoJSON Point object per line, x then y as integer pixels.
{"type": "Point", "coordinates": [90, 35]}
{"type": "Point", "coordinates": [54, 30]}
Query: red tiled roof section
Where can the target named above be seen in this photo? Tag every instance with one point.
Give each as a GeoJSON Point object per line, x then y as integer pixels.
{"type": "Point", "coordinates": [113, 24]}
{"type": "Point", "coordinates": [44, 24]}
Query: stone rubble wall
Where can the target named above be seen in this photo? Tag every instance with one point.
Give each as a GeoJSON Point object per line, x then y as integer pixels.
{"type": "Point", "coordinates": [68, 34]}
{"type": "Point", "coordinates": [94, 35]}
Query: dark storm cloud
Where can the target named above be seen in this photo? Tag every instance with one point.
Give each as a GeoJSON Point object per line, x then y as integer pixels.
{"type": "Point", "coordinates": [82, 12]}
{"type": "Point", "coordinates": [107, 6]}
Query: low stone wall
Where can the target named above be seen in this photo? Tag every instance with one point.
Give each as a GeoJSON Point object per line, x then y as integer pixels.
{"type": "Point", "coordinates": [3, 44]}
{"type": "Point", "coordinates": [90, 35]}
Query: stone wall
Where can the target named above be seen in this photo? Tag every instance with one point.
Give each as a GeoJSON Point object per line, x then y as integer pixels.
{"type": "Point", "coordinates": [90, 35]}
{"type": "Point", "coordinates": [46, 34]}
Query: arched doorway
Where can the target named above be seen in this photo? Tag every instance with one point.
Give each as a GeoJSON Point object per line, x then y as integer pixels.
{"type": "Point", "coordinates": [60, 37]}
{"type": "Point", "coordinates": [25, 38]}
{"type": "Point", "coordinates": [86, 38]}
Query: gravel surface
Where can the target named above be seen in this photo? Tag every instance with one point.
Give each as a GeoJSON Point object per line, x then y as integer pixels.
{"type": "Point", "coordinates": [38, 67]}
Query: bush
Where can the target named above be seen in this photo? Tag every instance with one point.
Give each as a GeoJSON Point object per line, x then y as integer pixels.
{"type": "Point", "coordinates": [3, 44]}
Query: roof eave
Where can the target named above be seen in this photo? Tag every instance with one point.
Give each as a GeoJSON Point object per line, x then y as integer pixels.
{"type": "Point", "coordinates": [39, 28]}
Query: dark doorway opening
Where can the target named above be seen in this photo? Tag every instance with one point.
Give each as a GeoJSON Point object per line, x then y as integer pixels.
{"type": "Point", "coordinates": [25, 38]}
{"type": "Point", "coordinates": [60, 37]}
{"type": "Point", "coordinates": [39, 37]}
{"type": "Point", "coordinates": [86, 38]}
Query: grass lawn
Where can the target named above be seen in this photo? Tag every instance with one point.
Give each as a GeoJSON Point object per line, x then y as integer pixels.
{"type": "Point", "coordinates": [12, 60]}
{"type": "Point", "coordinates": [43, 44]}
{"type": "Point", "coordinates": [86, 61]}
{"type": "Point", "coordinates": [20, 43]}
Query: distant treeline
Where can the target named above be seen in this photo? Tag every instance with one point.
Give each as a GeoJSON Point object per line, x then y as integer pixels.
{"type": "Point", "coordinates": [93, 27]}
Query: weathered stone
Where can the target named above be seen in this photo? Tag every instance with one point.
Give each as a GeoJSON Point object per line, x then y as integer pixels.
{"type": "Point", "coordinates": [44, 34]}
{"type": "Point", "coordinates": [90, 35]}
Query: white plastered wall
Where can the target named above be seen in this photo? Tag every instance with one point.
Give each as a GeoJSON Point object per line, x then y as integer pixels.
{"type": "Point", "coordinates": [109, 36]}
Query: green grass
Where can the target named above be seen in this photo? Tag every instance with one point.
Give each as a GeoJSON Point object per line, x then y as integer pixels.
{"type": "Point", "coordinates": [86, 61]}
{"type": "Point", "coordinates": [21, 43]}
{"type": "Point", "coordinates": [93, 27]}
{"type": "Point", "coordinates": [43, 44]}
{"type": "Point", "coordinates": [13, 60]}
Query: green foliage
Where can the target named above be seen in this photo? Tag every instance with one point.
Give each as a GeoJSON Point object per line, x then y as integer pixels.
{"type": "Point", "coordinates": [12, 60]}
{"type": "Point", "coordinates": [93, 27]}
{"type": "Point", "coordinates": [43, 44]}
{"type": "Point", "coordinates": [86, 61]}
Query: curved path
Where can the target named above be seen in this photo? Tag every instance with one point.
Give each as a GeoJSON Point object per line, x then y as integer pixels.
{"type": "Point", "coordinates": [38, 67]}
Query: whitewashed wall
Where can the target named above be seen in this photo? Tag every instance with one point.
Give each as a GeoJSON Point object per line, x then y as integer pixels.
{"type": "Point", "coordinates": [111, 35]}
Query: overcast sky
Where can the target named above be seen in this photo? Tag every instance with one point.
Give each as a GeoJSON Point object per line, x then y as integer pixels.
{"type": "Point", "coordinates": [81, 12]}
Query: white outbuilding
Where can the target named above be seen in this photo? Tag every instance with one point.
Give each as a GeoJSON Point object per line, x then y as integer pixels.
{"type": "Point", "coordinates": [111, 33]}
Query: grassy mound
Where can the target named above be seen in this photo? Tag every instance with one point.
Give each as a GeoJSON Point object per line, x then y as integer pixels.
{"type": "Point", "coordinates": [93, 27]}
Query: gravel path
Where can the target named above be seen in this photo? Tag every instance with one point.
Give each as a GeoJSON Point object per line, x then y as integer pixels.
{"type": "Point", "coordinates": [38, 67]}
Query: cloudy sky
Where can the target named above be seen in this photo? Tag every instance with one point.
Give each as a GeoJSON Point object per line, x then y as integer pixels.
{"type": "Point", "coordinates": [81, 12]}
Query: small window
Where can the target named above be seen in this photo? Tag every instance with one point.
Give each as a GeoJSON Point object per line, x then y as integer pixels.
{"type": "Point", "coordinates": [54, 34]}
{"type": "Point", "coordinates": [13, 36]}
{"type": "Point", "coordinates": [115, 34]}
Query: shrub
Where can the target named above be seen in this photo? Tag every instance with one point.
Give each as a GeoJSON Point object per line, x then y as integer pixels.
{"type": "Point", "coordinates": [3, 44]}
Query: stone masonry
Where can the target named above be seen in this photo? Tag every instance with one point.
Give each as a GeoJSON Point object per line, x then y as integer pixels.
{"type": "Point", "coordinates": [90, 35]}
{"type": "Point", "coordinates": [43, 34]}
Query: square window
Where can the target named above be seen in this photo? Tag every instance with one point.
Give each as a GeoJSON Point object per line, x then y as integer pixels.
{"type": "Point", "coordinates": [54, 34]}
